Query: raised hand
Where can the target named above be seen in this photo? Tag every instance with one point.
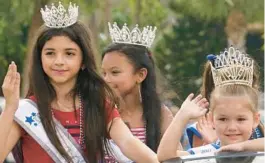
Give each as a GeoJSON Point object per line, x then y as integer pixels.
{"type": "Point", "coordinates": [206, 129]}
{"type": "Point", "coordinates": [11, 86]}
{"type": "Point", "coordinates": [194, 108]}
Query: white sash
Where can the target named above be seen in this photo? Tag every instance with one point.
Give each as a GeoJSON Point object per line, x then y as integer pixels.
{"type": "Point", "coordinates": [27, 116]}
{"type": "Point", "coordinates": [209, 148]}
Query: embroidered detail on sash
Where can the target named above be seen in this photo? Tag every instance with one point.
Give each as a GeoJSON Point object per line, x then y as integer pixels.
{"type": "Point", "coordinates": [33, 119]}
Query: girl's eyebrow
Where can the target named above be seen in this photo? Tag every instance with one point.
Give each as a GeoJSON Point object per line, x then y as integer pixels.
{"type": "Point", "coordinates": [64, 49]}
{"type": "Point", "coordinates": [241, 115]}
{"type": "Point", "coordinates": [71, 49]}
{"type": "Point", "coordinates": [114, 67]}
{"type": "Point", "coordinates": [48, 49]}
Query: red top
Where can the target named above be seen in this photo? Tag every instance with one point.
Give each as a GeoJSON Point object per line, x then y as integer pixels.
{"type": "Point", "coordinates": [33, 152]}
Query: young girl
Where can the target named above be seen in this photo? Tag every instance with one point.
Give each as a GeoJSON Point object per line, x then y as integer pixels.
{"type": "Point", "coordinates": [68, 94]}
{"type": "Point", "coordinates": [128, 67]}
{"type": "Point", "coordinates": [233, 104]}
{"type": "Point", "coordinates": [203, 132]}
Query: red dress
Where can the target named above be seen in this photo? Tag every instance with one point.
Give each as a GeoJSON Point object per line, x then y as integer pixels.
{"type": "Point", "coordinates": [33, 152]}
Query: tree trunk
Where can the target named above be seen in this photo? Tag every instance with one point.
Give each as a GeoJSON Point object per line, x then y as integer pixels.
{"type": "Point", "coordinates": [94, 22]}
{"type": "Point", "coordinates": [236, 30]}
{"type": "Point", "coordinates": [138, 9]}
{"type": "Point", "coordinates": [36, 22]}
{"type": "Point", "coordinates": [107, 10]}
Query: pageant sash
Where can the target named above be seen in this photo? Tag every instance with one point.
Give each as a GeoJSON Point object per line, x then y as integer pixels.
{"type": "Point", "coordinates": [210, 148]}
{"type": "Point", "coordinates": [27, 116]}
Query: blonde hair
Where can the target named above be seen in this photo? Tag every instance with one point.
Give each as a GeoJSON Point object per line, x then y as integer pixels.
{"type": "Point", "coordinates": [236, 90]}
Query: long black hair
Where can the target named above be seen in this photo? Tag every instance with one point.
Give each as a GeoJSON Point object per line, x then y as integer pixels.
{"type": "Point", "coordinates": [95, 92]}
{"type": "Point", "coordinates": [141, 57]}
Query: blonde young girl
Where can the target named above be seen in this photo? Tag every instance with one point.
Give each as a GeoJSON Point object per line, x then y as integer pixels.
{"type": "Point", "coordinates": [202, 132]}
{"type": "Point", "coordinates": [75, 106]}
{"type": "Point", "coordinates": [233, 104]}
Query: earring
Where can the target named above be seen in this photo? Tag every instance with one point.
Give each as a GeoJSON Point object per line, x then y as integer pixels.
{"type": "Point", "coordinates": [140, 93]}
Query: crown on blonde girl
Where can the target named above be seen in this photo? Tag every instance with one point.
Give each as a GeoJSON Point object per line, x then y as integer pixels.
{"type": "Point", "coordinates": [232, 67]}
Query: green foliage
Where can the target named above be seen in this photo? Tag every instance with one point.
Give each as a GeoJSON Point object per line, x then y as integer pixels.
{"type": "Point", "coordinates": [182, 51]}
{"type": "Point", "coordinates": [85, 6]}
{"type": "Point", "coordinates": [15, 17]}
{"type": "Point", "coordinates": [126, 11]}
{"type": "Point", "coordinates": [219, 9]}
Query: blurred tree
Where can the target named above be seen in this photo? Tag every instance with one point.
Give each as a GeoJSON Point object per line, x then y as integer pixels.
{"type": "Point", "coordinates": [14, 22]}
{"type": "Point", "coordinates": [182, 50]}
{"type": "Point", "coordinates": [238, 14]}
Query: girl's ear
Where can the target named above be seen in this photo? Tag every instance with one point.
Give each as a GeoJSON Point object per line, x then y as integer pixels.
{"type": "Point", "coordinates": [256, 117]}
{"type": "Point", "coordinates": [141, 75]}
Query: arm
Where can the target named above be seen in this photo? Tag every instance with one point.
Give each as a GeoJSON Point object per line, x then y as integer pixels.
{"type": "Point", "coordinates": [10, 131]}
{"type": "Point", "coordinates": [132, 147]}
{"type": "Point", "coordinates": [169, 143]}
{"type": "Point", "coordinates": [254, 145]}
{"type": "Point", "coordinates": [168, 147]}
{"type": "Point", "coordinates": [11, 137]}
{"type": "Point", "coordinates": [167, 118]}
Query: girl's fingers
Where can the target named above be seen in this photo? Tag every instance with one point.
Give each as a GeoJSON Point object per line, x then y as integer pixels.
{"type": "Point", "coordinates": [17, 83]}
{"type": "Point", "coordinates": [208, 120]}
{"type": "Point", "coordinates": [190, 96]}
{"type": "Point", "coordinates": [205, 105]}
{"type": "Point", "coordinates": [197, 99]}
{"type": "Point", "coordinates": [13, 66]}
{"type": "Point", "coordinates": [224, 149]}
{"type": "Point", "coordinates": [202, 101]}
{"type": "Point", "coordinates": [203, 120]}
{"type": "Point", "coordinates": [11, 77]}
{"type": "Point", "coordinates": [13, 74]}
{"type": "Point", "coordinates": [199, 127]}
{"type": "Point", "coordinates": [203, 111]}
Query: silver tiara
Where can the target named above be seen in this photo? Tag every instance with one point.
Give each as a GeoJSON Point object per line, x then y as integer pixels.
{"type": "Point", "coordinates": [59, 17]}
{"type": "Point", "coordinates": [232, 67]}
{"type": "Point", "coordinates": [134, 36]}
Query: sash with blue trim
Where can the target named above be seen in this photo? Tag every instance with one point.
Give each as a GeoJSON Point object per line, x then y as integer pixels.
{"type": "Point", "coordinates": [205, 149]}
{"type": "Point", "coordinates": [27, 116]}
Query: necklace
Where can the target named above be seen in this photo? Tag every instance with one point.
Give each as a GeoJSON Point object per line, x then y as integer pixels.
{"type": "Point", "coordinates": [81, 140]}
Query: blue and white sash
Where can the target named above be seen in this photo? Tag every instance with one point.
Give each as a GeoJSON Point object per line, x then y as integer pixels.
{"type": "Point", "coordinates": [27, 116]}
{"type": "Point", "coordinates": [210, 148]}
